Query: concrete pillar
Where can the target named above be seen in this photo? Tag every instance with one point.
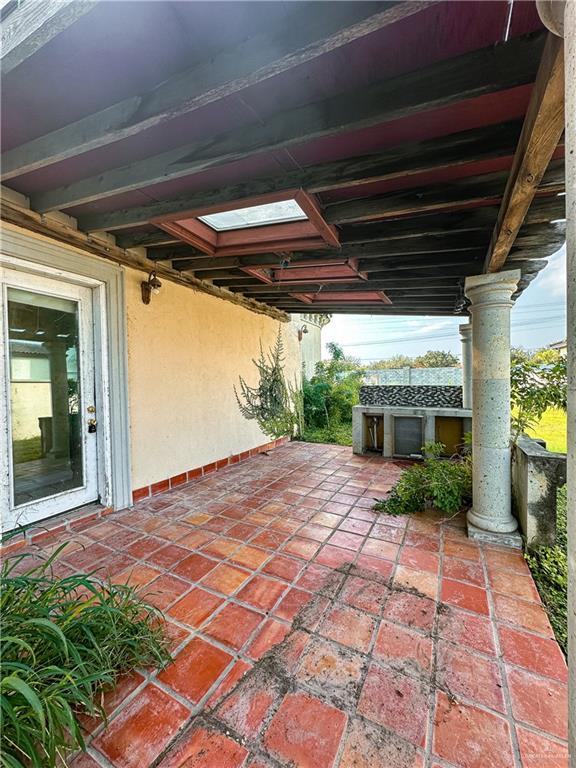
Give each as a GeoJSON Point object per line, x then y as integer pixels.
{"type": "Point", "coordinates": [491, 519]}
{"type": "Point", "coordinates": [560, 18]}
{"type": "Point", "coordinates": [466, 339]}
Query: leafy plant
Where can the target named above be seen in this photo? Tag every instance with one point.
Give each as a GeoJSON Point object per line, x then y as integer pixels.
{"type": "Point", "coordinates": [332, 392]}
{"type": "Point", "coordinates": [63, 640]}
{"type": "Point", "coordinates": [436, 358]}
{"type": "Point", "coordinates": [534, 388]}
{"type": "Point", "coordinates": [549, 566]}
{"type": "Point", "coordinates": [445, 484]}
{"type": "Point", "coordinates": [273, 403]}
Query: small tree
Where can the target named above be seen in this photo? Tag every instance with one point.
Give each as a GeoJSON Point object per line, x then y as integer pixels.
{"type": "Point", "coordinates": [273, 403]}
{"type": "Point", "coordinates": [534, 388]}
{"type": "Point", "coordinates": [437, 359]}
{"type": "Point", "coordinates": [397, 361]}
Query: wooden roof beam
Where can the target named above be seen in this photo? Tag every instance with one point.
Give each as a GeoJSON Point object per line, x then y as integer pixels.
{"type": "Point", "coordinates": [34, 24]}
{"type": "Point", "coordinates": [469, 76]}
{"type": "Point", "coordinates": [541, 132]}
{"type": "Point", "coordinates": [310, 35]}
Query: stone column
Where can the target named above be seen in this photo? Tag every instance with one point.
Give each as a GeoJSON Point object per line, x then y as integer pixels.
{"type": "Point", "coordinates": [466, 339]}
{"type": "Point", "coordinates": [490, 518]}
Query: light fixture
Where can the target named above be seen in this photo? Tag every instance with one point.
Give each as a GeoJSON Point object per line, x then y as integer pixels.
{"type": "Point", "coordinates": [301, 331]}
{"type": "Point", "coordinates": [150, 286]}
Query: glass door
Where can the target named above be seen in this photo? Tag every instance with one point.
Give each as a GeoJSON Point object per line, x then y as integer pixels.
{"type": "Point", "coordinates": [49, 397]}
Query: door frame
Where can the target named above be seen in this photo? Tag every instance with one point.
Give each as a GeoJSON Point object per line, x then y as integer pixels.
{"type": "Point", "coordinates": [37, 254]}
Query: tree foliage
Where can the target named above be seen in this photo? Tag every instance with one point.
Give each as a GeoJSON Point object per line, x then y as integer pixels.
{"type": "Point", "coordinates": [535, 387]}
{"type": "Point", "coordinates": [437, 359]}
{"type": "Point", "coordinates": [273, 403]}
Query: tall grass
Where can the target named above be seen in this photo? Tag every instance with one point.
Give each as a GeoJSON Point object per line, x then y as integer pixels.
{"type": "Point", "coordinates": [62, 641]}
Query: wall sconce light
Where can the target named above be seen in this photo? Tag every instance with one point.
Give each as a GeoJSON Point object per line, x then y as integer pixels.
{"type": "Point", "coordinates": [301, 331]}
{"type": "Point", "coordinates": [150, 286]}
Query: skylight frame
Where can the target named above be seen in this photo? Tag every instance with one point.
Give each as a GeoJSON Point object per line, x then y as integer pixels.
{"type": "Point", "coordinates": [297, 216]}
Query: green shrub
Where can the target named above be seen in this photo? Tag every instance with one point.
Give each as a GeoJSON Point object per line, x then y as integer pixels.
{"type": "Point", "coordinates": [63, 640]}
{"type": "Point", "coordinates": [549, 566]}
{"type": "Point", "coordinates": [445, 484]}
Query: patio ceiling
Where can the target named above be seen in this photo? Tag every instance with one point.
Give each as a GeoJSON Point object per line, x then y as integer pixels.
{"type": "Point", "coordinates": [424, 149]}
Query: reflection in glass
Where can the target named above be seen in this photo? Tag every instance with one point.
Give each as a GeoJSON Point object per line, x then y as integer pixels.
{"type": "Point", "coordinates": [44, 395]}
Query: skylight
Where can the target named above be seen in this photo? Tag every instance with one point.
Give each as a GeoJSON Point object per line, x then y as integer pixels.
{"type": "Point", "coordinates": [255, 216]}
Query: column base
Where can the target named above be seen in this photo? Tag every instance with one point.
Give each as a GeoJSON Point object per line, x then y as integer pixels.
{"type": "Point", "coordinates": [512, 540]}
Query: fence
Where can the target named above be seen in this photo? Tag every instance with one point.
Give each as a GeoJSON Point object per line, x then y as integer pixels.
{"type": "Point", "coordinates": [415, 377]}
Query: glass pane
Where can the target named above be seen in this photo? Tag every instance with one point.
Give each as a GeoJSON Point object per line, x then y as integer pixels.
{"type": "Point", "coordinates": [255, 216]}
{"type": "Point", "coordinates": [44, 395]}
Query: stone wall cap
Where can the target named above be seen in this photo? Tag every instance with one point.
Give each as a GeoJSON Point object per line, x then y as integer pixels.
{"type": "Point", "coordinates": [492, 278]}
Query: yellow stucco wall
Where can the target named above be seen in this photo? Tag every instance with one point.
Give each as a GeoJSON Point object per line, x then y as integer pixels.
{"type": "Point", "coordinates": [185, 353]}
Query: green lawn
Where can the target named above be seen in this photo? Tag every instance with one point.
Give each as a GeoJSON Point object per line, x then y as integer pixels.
{"type": "Point", "coordinates": [552, 428]}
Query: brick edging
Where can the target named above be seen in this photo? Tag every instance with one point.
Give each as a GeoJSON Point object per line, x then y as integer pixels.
{"type": "Point", "coordinates": [193, 474]}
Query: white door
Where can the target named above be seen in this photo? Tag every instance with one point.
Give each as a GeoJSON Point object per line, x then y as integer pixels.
{"type": "Point", "coordinates": [49, 431]}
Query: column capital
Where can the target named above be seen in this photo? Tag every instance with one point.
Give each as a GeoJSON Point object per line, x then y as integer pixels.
{"type": "Point", "coordinates": [551, 14]}
{"type": "Point", "coordinates": [492, 288]}
{"type": "Point", "coordinates": [465, 331]}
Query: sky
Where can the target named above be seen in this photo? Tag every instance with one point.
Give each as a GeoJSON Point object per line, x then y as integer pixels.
{"type": "Point", "coordinates": [538, 319]}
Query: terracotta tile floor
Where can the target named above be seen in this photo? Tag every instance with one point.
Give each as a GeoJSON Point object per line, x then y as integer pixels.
{"type": "Point", "coordinates": [310, 632]}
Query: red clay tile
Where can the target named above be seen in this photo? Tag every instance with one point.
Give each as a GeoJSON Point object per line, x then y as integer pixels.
{"type": "Point", "coordinates": [293, 601]}
{"type": "Point", "coordinates": [319, 578]}
{"type": "Point", "coordinates": [411, 610]}
{"type": "Point", "coordinates": [140, 493]}
{"type": "Point", "coordinates": [221, 547]}
{"type": "Point", "coordinates": [270, 634]}
{"type": "Point", "coordinates": [194, 567]}
{"type": "Point", "coordinates": [347, 540]}
{"type": "Point", "coordinates": [397, 702]}
{"type": "Point", "coordinates": [83, 760]}
{"type": "Point", "coordinates": [506, 560]}
{"type": "Point", "coordinates": [195, 607]}
{"type": "Point", "coordinates": [398, 646]}
{"type": "Point", "coordinates": [270, 539]}
{"type": "Point", "coordinates": [527, 615]}
{"type": "Point", "coordinates": [420, 559]}
{"type": "Point", "coordinates": [305, 731]}
{"type": "Point", "coordinates": [226, 579]}
{"type": "Point", "coordinates": [464, 570]}
{"type": "Point", "coordinates": [383, 568]}
{"type": "Point", "coordinates": [333, 670]}
{"type": "Point", "coordinates": [540, 702]}
{"type": "Point", "coordinates": [369, 746]}
{"type": "Point", "coordinates": [137, 576]}
{"type": "Point", "coordinates": [262, 593]}
{"type": "Point", "coordinates": [164, 590]}
{"type": "Point", "coordinates": [380, 548]}
{"type": "Point", "coordinates": [196, 539]}
{"type": "Point", "coordinates": [234, 675]}
{"type": "Point", "coordinates": [365, 594]}
{"type": "Point", "coordinates": [537, 751]}
{"type": "Point", "coordinates": [196, 668]}
{"type": "Point", "coordinates": [335, 557]}
{"type": "Point", "coordinates": [465, 550]}
{"type": "Point", "coordinates": [166, 557]}
{"type": "Point", "coordinates": [471, 737]}
{"type": "Point", "coordinates": [302, 548]}
{"type": "Point", "coordinates": [352, 525]}
{"type": "Point", "coordinates": [141, 731]}
{"type": "Point", "coordinates": [111, 698]}
{"type": "Point", "coordinates": [86, 559]}
{"type": "Point", "coordinates": [348, 626]}
{"type": "Point", "coordinates": [283, 567]}
{"type": "Point", "coordinates": [250, 557]}
{"type": "Point", "coordinates": [464, 596]}
{"type": "Point", "coordinates": [141, 548]}
{"type": "Point", "coordinates": [422, 582]}
{"type": "Point", "coordinates": [245, 708]}
{"type": "Point", "coordinates": [203, 748]}
{"type": "Point", "coordinates": [233, 625]}
{"type": "Point", "coordinates": [159, 487]}
{"type": "Point", "coordinates": [465, 673]}
{"type": "Point", "coordinates": [538, 654]}
{"type": "Point", "coordinates": [242, 531]}
{"type": "Point", "coordinates": [470, 630]}
{"type": "Point", "coordinates": [326, 519]}
{"type": "Point", "coordinates": [514, 585]}
{"type": "Point", "coordinates": [422, 542]}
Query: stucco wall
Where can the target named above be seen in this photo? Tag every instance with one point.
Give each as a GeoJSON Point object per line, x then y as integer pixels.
{"type": "Point", "coordinates": [185, 353]}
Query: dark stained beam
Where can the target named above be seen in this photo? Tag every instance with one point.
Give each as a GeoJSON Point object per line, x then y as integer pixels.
{"type": "Point", "coordinates": [485, 71]}
{"type": "Point", "coordinates": [476, 145]}
{"type": "Point", "coordinates": [145, 239]}
{"type": "Point", "coordinates": [541, 132]}
{"type": "Point", "coordinates": [306, 36]}
{"type": "Point", "coordinates": [468, 192]}
{"type": "Point", "coordinates": [33, 24]}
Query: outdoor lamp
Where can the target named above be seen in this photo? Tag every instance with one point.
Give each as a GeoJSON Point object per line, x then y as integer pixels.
{"type": "Point", "coordinates": [150, 286]}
